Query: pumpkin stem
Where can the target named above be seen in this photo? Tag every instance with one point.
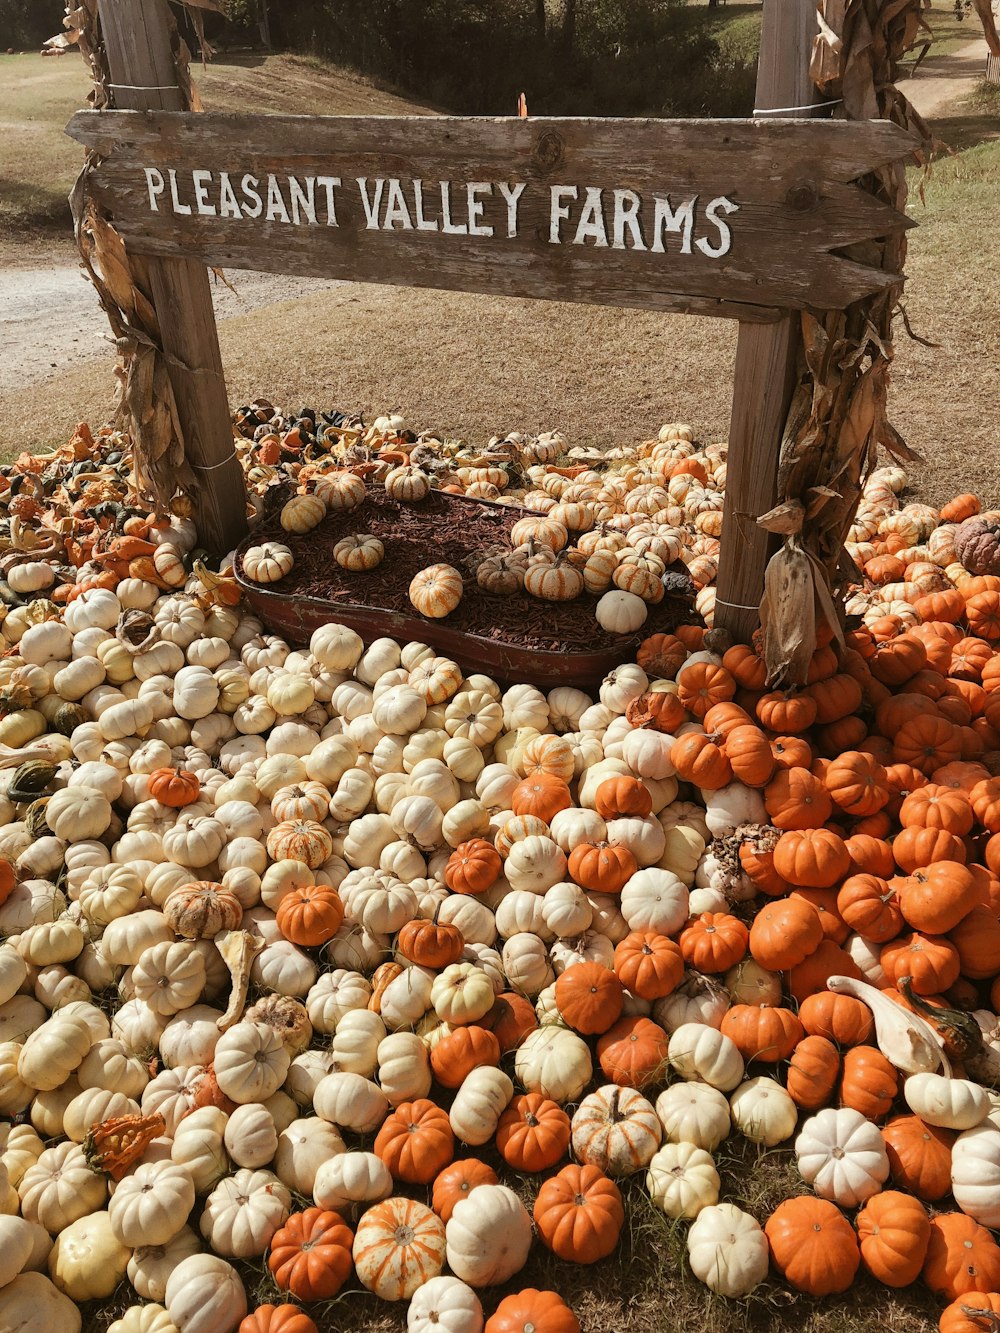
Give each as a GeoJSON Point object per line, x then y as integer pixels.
{"type": "Point", "coordinates": [989, 1319]}
{"type": "Point", "coordinates": [960, 1032]}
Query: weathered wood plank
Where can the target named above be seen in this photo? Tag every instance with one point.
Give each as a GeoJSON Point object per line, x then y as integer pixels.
{"type": "Point", "coordinates": [764, 373]}
{"type": "Point", "coordinates": [136, 35]}
{"type": "Point", "coordinates": [780, 147]}
{"type": "Point", "coordinates": [707, 216]}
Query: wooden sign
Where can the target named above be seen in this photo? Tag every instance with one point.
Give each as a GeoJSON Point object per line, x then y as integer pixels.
{"type": "Point", "coordinates": [735, 218]}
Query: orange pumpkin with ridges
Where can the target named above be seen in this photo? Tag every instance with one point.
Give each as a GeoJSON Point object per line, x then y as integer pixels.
{"type": "Point", "coordinates": [648, 965]}
{"type": "Point", "coordinates": [931, 960]}
{"type": "Point", "coordinates": [919, 1156]}
{"type": "Point", "coordinates": [962, 1257]}
{"type": "Point", "coordinates": [762, 1032]}
{"type": "Point", "coordinates": [661, 656]}
{"type": "Point", "coordinates": [785, 932]}
{"type": "Point", "coordinates": [623, 796]}
{"type": "Point", "coordinates": [977, 1313]}
{"type": "Point", "coordinates": [579, 1214]}
{"type": "Point", "coordinates": [916, 847]}
{"type": "Point", "coordinates": [601, 867]}
{"type": "Point", "coordinates": [811, 858]}
{"type": "Point", "coordinates": [416, 1141]}
{"type": "Point", "coordinates": [533, 1133]}
{"type": "Point", "coordinates": [825, 902]}
{"type": "Point", "coordinates": [510, 1020]}
{"type": "Point", "coordinates": [811, 975]}
{"type": "Point", "coordinates": [713, 942]}
{"type": "Point", "coordinates": [870, 855]}
{"type": "Point", "coordinates": [456, 1182]}
{"type": "Point", "coordinates": [935, 898]}
{"type": "Point", "coordinates": [893, 1231]}
{"type": "Point", "coordinates": [532, 1311]}
{"type": "Point", "coordinates": [473, 867]}
{"type": "Point", "coordinates": [464, 1049]}
{"type": "Point", "coordinates": [813, 1072]}
{"type": "Point", "coordinates": [869, 1083]}
{"type": "Point", "coordinates": [795, 799]}
{"type": "Point", "coordinates": [701, 759]}
{"type": "Point", "coordinates": [310, 1255]}
{"type": "Point", "coordinates": [633, 1052]}
{"type": "Point", "coordinates": [749, 754]}
{"type": "Point", "coordinates": [813, 1245]}
{"type": "Point", "coordinates": [542, 794]}
{"type": "Point", "coordinates": [589, 997]}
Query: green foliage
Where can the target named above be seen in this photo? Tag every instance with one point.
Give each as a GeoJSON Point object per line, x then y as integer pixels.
{"type": "Point", "coordinates": [28, 23]}
{"type": "Point", "coordinates": [595, 57]}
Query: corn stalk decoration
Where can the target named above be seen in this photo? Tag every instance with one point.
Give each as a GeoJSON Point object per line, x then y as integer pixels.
{"type": "Point", "coordinates": [838, 419]}
{"type": "Point", "coordinates": [145, 408]}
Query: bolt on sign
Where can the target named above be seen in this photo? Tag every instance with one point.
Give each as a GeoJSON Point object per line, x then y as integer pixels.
{"type": "Point", "coordinates": [734, 218]}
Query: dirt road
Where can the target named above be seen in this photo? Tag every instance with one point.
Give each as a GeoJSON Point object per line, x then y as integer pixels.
{"type": "Point", "coordinates": [50, 319]}
{"type": "Point", "coordinates": [943, 81]}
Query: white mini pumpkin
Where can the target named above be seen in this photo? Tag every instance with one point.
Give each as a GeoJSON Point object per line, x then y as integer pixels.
{"type": "Point", "coordinates": [842, 1155]}
{"type": "Point", "coordinates": [727, 1250]}
{"type": "Point", "coordinates": [243, 1212]}
{"type": "Point", "coordinates": [488, 1237]}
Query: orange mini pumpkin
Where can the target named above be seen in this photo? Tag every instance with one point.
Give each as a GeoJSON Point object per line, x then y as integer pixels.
{"type": "Point", "coordinates": [579, 1214]}
{"type": "Point", "coordinates": [310, 915]}
{"type": "Point", "coordinates": [533, 1133]}
{"type": "Point", "coordinates": [624, 796]}
{"type": "Point", "coordinates": [277, 1319]}
{"type": "Point", "coordinates": [869, 1083]}
{"type": "Point", "coordinates": [813, 1072]}
{"type": "Point", "coordinates": [839, 1018]}
{"type": "Point", "coordinates": [661, 656]}
{"type": "Point", "coordinates": [703, 684]}
{"type": "Point", "coordinates": [700, 759]}
{"type": "Point", "coordinates": [930, 960]}
{"type": "Point", "coordinates": [473, 867]}
{"type": "Point", "coordinates": [428, 943]}
{"type": "Point", "coordinates": [813, 1245]}
{"type": "Point", "coordinates": [796, 799]}
{"type": "Point", "coordinates": [784, 933]}
{"type": "Point", "coordinates": [633, 1052]}
{"type": "Point", "coordinates": [543, 795]}
{"type": "Point", "coordinates": [713, 942]}
{"type": "Point", "coordinates": [648, 965]}
{"type": "Point", "coordinates": [466, 1048]}
{"type": "Point", "coordinates": [589, 997]}
{"type": "Point", "coordinates": [870, 906]}
{"type": "Point", "coordinates": [601, 867]}
{"type": "Point", "coordinates": [532, 1311]}
{"type": "Point", "coordinates": [175, 787]}
{"type": "Point", "coordinates": [456, 1182]}
{"type": "Point", "coordinates": [311, 1254]}
{"type": "Point", "coordinates": [962, 1257]}
{"type": "Point", "coordinates": [416, 1141]}
{"type": "Point", "coordinates": [919, 1156]}
{"type": "Point", "coordinates": [811, 858]}
{"type": "Point", "coordinates": [894, 1231]}
{"type": "Point", "coordinates": [762, 1032]}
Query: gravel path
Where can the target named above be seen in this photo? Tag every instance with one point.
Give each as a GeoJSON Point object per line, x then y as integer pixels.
{"type": "Point", "coordinates": [50, 318]}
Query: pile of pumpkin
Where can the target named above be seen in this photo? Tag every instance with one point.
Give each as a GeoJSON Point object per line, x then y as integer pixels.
{"type": "Point", "coordinates": [610, 527]}
{"type": "Point", "coordinates": [340, 924]}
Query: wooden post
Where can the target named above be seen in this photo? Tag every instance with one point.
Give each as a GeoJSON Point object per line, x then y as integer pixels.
{"type": "Point", "coordinates": [765, 358]}
{"type": "Point", "coordinates": [136, 35]}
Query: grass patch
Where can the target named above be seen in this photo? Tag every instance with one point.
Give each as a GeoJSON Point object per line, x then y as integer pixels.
{"type": "Point", "coordinates": [40, 164]}
{"type": "Point", "coordinates": [951, 30]}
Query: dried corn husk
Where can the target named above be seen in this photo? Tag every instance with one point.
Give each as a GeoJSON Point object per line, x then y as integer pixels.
{"type": "Point", "coordinates": [838, 419]}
